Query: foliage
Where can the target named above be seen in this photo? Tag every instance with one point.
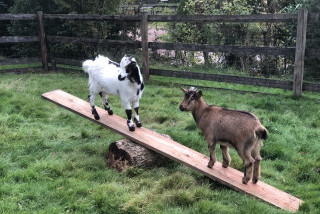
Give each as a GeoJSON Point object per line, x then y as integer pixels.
{"type": "Point", "coordinates": [312, 64]}
{"type": "Point", "coordinates": [242, 34]}
{"type": "Point", "coordinates": [53, 161]}
{"type": "Point", "coordinates": [100, 30]}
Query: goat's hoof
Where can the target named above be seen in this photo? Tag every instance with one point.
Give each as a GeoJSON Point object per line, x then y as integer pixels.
{"type": "Point", "coordinates": [110, 112]}
{"type": "Point", "coordinates": [245, 180]}
{"type": "Point", "coordinates": [132, 128]}
{"type": "Point", "coordinates": [210, 164]}
{"type": "Point", "coordinates": [138, 123]}
{"type": "Point", "coordinates": [255, 180]}
{"type": "Point", "coordinates": [97, 117]}
{"type": "Point", "coordinates": [225, 165]}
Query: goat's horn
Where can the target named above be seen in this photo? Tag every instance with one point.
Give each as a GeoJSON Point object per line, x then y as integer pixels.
{"type": "Point", "coordinates": [183, 89]}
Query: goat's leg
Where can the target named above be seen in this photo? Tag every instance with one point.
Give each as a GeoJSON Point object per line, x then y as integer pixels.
{"type": "Point", "coordinates": [136, 113]}
{"type": "Point", "coordinates": [127, 106]}
{"type": "Point", "coordinates": [248, 163]}
{"type": "Point", "coordinates": [104, 100]}
{"type": "Point", "coordinates": [226, 156]}
{"type": "Point", "coordinates": [92, 97]}
{"type": "Point", "coordinates": [212, 150]}
{"type": "Point", "coordinates": [257, 159]}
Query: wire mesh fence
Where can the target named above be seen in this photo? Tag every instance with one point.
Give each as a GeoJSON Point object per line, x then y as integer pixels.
{"type": "Point", "coordinates": [242, 35]}
{"type": "Point", "coordinates": [241, 48]}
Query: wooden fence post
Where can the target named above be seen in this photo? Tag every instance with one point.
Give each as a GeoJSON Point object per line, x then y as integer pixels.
{"type": "Point", "coordinates": [42, 36]}
{"type": "Point", "coordinates": [144, 45]}
{"type": "Point", "coordinates": [300, 51]}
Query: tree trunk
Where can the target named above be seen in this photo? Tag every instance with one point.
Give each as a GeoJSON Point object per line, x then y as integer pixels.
{"type": "Point", "coordinates": [124, 154]}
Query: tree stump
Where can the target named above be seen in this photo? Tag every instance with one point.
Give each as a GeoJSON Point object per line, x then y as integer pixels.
{"type": "Point", "coordinates": [124, 154]}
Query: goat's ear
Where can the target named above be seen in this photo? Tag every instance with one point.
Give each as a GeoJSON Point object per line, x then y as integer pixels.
{"type": "Point", "coordinates": [184, 90]}
{"type": "Point", "coordinates": [199, 94]}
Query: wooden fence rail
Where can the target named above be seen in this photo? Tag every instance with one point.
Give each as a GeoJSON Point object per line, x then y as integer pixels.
{"type": "Point", "coordinates": [12, 17]}
{"type": "Point", "coordinates": [285, 51]}
{"type": "Point", "coordinates": [63, 39]}
{"type": "Point", "coordinates": [19, 39]}
{"type": "Point", "coordinates": [287, 85]}
{"type": "Point", "coordinates": [224, 18]}
{"type": "Point", "coordinates": [299, 51]}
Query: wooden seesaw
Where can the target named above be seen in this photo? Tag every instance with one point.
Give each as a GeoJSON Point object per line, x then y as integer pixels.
{"type": "Point", "coordinates": [175, 151]}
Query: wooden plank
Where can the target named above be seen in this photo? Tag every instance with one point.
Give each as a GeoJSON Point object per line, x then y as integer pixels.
{"type": "Point", "coordinates": [225, 18]}
{"type": "Point", "coordinates": [81, 40]}
{"type": "Point", "coordinates": [94, 17]}
{"type": "Point", "coordinates": [311, 87]}
{"type": "Point", "coordinates": [313, 17]}
{"type": "Point", "coordinates": [178, 18]}
{"type": "Point", "coordinates": [18, 39]}
{"type": "Point", "coordinates": [173, 150]}
{"type": "Point", "coordinates": [9, 16]}
{"type": "Point", "coordinates": [42, 36]}
{"type": "Point", "coordinates": [19, 61]}
{"type": "Point", "coordinates": [285, 51]}
{"type": "Point", "coordinates": [300, 52]}
{"type": "Point", "coordinates": [313, 52]}
{"type": "Point", "coordinates": [223, 78]}
{"type": "Point", "coordinates": [72, 62]}
{"type": "Point", "coordinates": [144, 45]}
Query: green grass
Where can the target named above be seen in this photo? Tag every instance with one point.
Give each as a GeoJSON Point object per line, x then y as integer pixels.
{"type": "Point", "coordinates": [54, 161]}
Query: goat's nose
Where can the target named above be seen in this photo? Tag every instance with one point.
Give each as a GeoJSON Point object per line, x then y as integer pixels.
{"type": "Point", "coordinates": [181, 108]}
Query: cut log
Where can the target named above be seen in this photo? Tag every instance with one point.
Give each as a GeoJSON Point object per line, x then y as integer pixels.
{"type": "Point", "coordinates": [124, 154]}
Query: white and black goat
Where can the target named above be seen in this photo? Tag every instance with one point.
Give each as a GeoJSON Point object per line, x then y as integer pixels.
{"type": "Point", "coordinates": [230, 128]}
{"type": "Point", "coordinates": [124, 79]}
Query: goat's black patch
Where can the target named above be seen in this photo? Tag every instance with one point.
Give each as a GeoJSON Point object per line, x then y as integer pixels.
{"type": "Point", "coordinates": [133, 72]}
{"type": "Point", "coordinates": [129, 114]}
{"type": "Point", "coordinates": [142, 87]}
{"type": "Point", "coordinates": [189, 94]}
{"type": "Point", "coordinates": [95, 113]}
{"type": "Point", "coordinates": [262, 134]}
{"type": "Point", "coordinates": [121, 78]}
{"type": "Point", "coordinates": [136, 110]}
{"type": "Point", "coordinates": [100, 94]}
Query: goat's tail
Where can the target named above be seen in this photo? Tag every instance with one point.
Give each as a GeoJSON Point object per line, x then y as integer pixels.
{"type": "Point", "coordinates": [86, 65]}
{"type": "Point", "coordinates": [262, 133]}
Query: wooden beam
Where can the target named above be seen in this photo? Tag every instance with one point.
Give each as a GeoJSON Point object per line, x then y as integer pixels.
{"type": "Point", "coordinates": [20, 61]}
{"type": "Point", "coordinates": [249, 50]}
{"type": "Point", "coordinates": [93, 17]}
{"type": "Point", "coordinates": [300, 52]}
{"type": "Point", "coordinates": [9, 16]}
{"type": "Point", "coordinates": [144, 45]}
{"type": "Point", "coordinates": [18, 39]}
{"type": "Point", "coordinates": [81, 40]}
{"type": "Point", "coordinates": [223, 78]}
{"type": "Point", "coordinates": [42, 36]}
{"type": "Point", "coordinates": [173, 150]}
{"type": "Point", "coordinates": [225, 18]}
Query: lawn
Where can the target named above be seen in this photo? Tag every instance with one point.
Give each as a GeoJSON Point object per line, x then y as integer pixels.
{"type": "Point", "coordinates": [54, 161]}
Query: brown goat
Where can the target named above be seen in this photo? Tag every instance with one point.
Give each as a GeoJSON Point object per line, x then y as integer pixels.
{"type": "Point", "coordinates": [230, 128]}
